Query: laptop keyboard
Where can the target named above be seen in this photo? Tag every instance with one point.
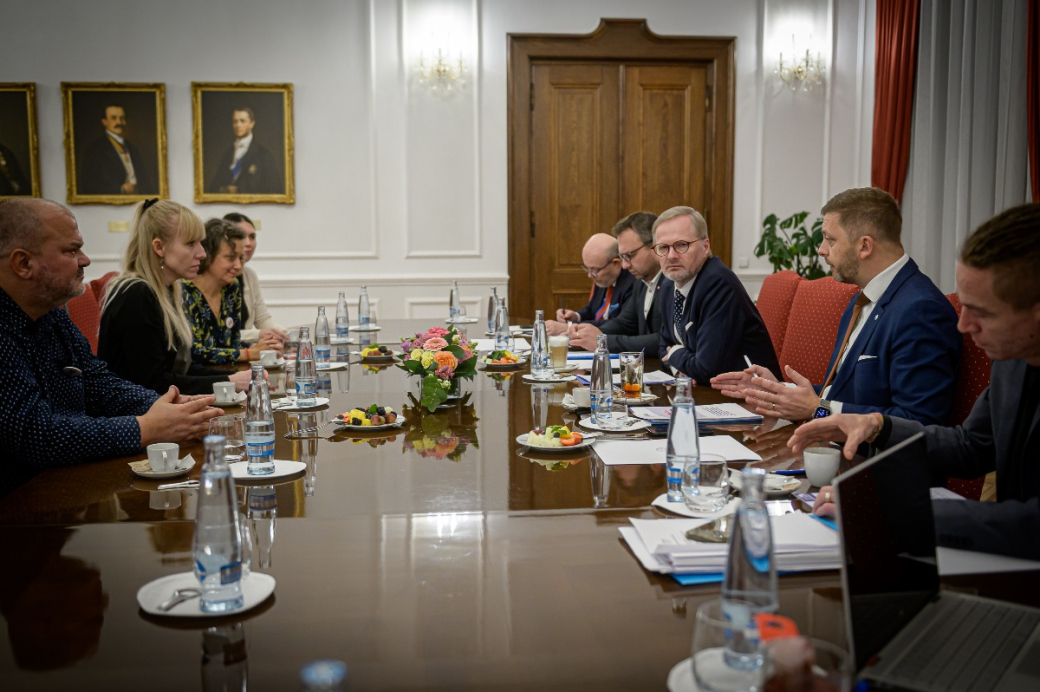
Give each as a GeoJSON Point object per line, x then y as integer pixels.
{"type": "Point", "coordinates": [967, 646]}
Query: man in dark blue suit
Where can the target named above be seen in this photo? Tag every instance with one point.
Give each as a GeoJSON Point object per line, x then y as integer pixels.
{"type": "Point", "coordinates": [711, 322]}
{"type": "Point", "coordinates": [613, 285]}
{"type": "Point", "coordinates": [897, 349]}
{"type": "Point", "coordinates": [637, 325]}
{"type": "Point", "coordinates": [998, 286]}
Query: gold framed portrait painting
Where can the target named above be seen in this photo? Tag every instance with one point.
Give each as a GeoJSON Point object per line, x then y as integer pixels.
{"type": "Point", "coordinates": [243, 143]}
{"type": "Point", "coordinates": [19, 144]}
{"type": "Point", "coordinates": [115, 142]}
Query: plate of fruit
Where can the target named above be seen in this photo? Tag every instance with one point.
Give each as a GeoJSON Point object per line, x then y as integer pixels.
{"type": "Point", "coordinates": [374, 417]}
{"type": "Point", "coordinates": [556, 438]}
{"type": "Point", "coordinates": [378, 353]}
{"type": "Point", "coordinates": [502, 360]}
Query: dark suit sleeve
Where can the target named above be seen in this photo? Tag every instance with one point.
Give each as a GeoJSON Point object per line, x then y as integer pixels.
{"type": "Point", "coordinates": [147, 183]}
{"type": "Point", "coordinates": [622, 330]}
{"type": "Point", "coordinates": [719, 318]}
{"type": "Point", "coordinates": [922, 373]}
{"type": "Point", "coordinates": [1006, 528]}
{"type": "Point", "coordinates": [588, 311]}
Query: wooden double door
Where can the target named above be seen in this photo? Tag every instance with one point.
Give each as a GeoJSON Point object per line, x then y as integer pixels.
{"type": "Point", "coordinates": [600, 137]}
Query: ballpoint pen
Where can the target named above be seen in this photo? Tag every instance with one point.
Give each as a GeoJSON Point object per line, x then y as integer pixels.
{"type": "Point", "coordinates": [748, 361]}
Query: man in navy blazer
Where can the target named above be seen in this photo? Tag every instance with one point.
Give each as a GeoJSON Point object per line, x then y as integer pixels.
{"type": "Point", "coordinates": [1000, 292]}
{"type": "Point", "coordinates": [637, 325]}
{"type": "Point", "coordinates": [899, 356]}
{"type": "Point", "coordinates": [710, 322]}
{"type": "Point", "coordinates": [613, 285]}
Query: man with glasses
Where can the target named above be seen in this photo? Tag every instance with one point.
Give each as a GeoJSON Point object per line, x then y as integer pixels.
{"type": "Point", "coordinates": [613, 285]}
{"type": "Point", "coordinates": [637, 325]}
{"type": "Point", "coordinates": [897, 349]}
{"type": "Point", "coordinates": [712, 323]}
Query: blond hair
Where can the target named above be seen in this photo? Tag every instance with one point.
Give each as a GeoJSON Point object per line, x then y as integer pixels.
{"type": "Point", "coordinates": [165, 220]}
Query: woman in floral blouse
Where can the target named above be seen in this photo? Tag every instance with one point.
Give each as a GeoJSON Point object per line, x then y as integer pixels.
{"type": "Point", "coordinates": [213, 301]}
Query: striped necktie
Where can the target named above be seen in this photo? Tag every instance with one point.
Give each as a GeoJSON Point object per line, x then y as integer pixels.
{"type": "Point", "coordinates": [861, 300]}
{"type": "Point", "coordinates": [602, 312]}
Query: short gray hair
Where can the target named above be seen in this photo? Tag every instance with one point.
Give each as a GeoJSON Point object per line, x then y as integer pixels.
{"type": "Point", "coordinates": [20, 224]}
{"type": "Point", "coordinates": [700, 226]}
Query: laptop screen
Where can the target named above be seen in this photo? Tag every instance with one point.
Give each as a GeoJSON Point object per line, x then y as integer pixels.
{"type": "Point", "coordinates": [887, 532]}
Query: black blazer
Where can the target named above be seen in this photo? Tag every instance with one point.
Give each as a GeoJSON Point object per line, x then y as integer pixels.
{"type": "Point", "coordinates": [630, 330]}
{"type": "Point", "coordinates": [719, 326]}
{"type": "Point", "coordinates": [623, 288]}
{"type": "Point", "coordinates": [102, 173]}
{"type": "Point", "coordinates": [259, 174]}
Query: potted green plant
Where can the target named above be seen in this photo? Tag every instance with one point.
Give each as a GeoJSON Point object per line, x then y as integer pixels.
{"type": "Point", "coordinates": [789, 244]}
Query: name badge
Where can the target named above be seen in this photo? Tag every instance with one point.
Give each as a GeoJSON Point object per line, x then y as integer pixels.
{"type": "Point", "coordinates": [229, 322]}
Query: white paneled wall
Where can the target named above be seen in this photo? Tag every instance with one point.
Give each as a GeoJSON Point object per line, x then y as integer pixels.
{"type": "Point", "coordinates": [402, 189]}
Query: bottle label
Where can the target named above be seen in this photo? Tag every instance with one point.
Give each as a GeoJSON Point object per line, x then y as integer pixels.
{"type": "Point", "coordinates": [260, 447]}
{"type": "Point", "coordinates": [342, 330]}
{"type": "Point", "coordinates": [306, 390]}
{"type": "Point", "coordinates": [231, 573]}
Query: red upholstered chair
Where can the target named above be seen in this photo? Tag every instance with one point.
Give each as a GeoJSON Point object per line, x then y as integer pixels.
{"type": "Point", "coordinates": [86, 314]}
{"type": "Point", "coordinates": [812, 326]}
{"type": "Point", "coordinates": [972, 380]}
{"type": "Point", "coordinates": [98, 286]}
{"type": "Point", "coordinates": [774, 304]}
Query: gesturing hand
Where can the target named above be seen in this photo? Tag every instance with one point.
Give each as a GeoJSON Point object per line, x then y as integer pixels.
{"type": "Point", "coordinates": [738, 384]}
{"type": "Point", "coordinates": [852, 429]}
{"type": "Point", "coordinates": [772, 398]}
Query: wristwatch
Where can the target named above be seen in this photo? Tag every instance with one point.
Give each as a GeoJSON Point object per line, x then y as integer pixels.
{"type": "Point", "coordinates": [823, 410]}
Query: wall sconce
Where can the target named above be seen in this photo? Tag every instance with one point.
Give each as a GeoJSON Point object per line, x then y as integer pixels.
{"type": "Point", "coordinates": [441, 74]}
{"type": "Point", "coordinates": [805, 72]}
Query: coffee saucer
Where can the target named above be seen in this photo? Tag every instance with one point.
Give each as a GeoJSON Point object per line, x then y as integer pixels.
{"type": "Point", "coordinates": [240, 398]}
{"type": "Point", "coordinates": [144, 470]}
{"type": "Point", "coordinates": [256, 588]}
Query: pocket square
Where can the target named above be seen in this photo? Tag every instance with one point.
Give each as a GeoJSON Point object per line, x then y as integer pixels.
{"type": "Point", "coordinates": [688, 325]}
{"type": "Point", "coordinates": [866, 358]}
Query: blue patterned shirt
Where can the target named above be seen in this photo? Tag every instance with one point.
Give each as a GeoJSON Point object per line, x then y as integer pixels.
{"type": "Point", "coordinates": [215, 339]}
{"type": "Point", "coordinates": [52, 414]}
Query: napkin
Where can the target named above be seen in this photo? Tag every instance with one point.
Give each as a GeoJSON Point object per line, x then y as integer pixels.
{"type": "Point", "coordinates": [143, 466]}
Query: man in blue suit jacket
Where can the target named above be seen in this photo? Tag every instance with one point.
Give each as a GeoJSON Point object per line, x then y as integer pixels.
{"type": "Point", "coordinates": [899, 356]}
{"type": "Point", "coordinates": [710, 322]}
{"type": "Point", "coordinates": [998, 286]}
{"type": "Point", "coordinates": [612, 289]}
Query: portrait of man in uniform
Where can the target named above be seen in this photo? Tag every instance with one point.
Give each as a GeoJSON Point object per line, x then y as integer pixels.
{"type": "Point", "coordinates": [243, 143]}
{"type": "Point", "coordinates": [115, 144]}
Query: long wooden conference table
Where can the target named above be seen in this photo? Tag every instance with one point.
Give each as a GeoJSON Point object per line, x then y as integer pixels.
{"type": "Point", "coordinates": [440, 556]}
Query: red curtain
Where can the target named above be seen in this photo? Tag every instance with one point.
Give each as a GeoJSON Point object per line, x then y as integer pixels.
{"type": "Point", "coordinates": [1033, 95]}
{"type": "Point", "coordinates": [895, 64]}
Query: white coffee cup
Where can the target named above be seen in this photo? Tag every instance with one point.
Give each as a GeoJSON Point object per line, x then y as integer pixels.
{"type": "Point", "coordinates": [821, 464]}
{"type": "Point", "coordinates": [224, 392]}
{"type": "Point", "coordinates": [163, 456]}
{"type": "Point", "coordinates": [268, 357]}
{"type": "Point", "coordinates": [582, 397]}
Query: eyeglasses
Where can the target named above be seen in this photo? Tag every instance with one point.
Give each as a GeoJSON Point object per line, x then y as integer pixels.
{"type": "Point", "coordinates": [680, 247]}
{"type": "Point", "coordinates": [627, 256]}
{"type": "Point", "coordinates": [592, 272]}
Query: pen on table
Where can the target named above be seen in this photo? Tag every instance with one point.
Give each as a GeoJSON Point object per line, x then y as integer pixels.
{"type": "Point", "coordinates": [748, 361]}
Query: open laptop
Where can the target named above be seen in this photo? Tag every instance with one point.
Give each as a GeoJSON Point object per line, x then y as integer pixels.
{"type": "Point", "coordinates": [903, 632]}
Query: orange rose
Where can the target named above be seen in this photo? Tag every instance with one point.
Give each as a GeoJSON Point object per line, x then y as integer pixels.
{"type": "Point", "coordinates": [443, 358]}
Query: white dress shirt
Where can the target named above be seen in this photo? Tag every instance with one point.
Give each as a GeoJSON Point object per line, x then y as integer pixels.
{"type": "Point", "coordinates": [651, 289]}
{"type": "Point", "coordinates": [685, 290]}
{"type": "Point", "coordinates": [873, 291]}
{"type": "Point", "coordinates": [241, 147]}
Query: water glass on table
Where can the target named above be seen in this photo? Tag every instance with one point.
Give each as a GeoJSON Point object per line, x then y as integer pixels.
{"type": "Point", "coordinates": [713, 669]}
{"type": "Point", "coordinates": [705, 483]}
{"type": "Point", "coordinates": [232, 429]}
{"type": "Point", "coordinates": [631, 365]}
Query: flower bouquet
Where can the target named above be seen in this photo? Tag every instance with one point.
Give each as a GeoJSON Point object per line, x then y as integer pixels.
{"type": "Point", "coordinates": [438, 357]}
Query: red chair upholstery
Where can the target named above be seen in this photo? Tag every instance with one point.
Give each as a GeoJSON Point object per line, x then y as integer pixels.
{"type": "Point", "coordinates": [774, 304]}
{"type": "Point", "coordinates": [972, 379]}
{"type": "Point", "coordinates": [812, 327]}
{"type": "Point", "coordinates": [86, 314]}
{"type": "Point", "coordinates": [98, 286]}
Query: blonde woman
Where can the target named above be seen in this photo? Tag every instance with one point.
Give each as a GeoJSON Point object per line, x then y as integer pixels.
{"type": "Point", "coordinates": [145, 336]}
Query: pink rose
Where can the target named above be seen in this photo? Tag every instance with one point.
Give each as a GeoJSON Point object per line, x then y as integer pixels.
{"type": "Point", "coordinates": [445, 372]}
{"type": "Point", "coordinates": [436, 331]}
{"type": "Point", "coordinates": [435, 344]}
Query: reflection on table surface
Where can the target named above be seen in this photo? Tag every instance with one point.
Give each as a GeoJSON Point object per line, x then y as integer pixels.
{"type": "Point", "coordinates": [460, 459]}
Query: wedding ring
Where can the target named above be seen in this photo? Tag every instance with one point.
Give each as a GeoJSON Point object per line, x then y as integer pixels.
{"type": "Point", "coordinates": [774, 405]}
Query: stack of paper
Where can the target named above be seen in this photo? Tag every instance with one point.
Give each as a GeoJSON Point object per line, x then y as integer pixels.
{"type": "Point", "coordinates": [709, 414]}
{"type": "Point", "coordinates": [800, 544]}
{"type": "Point", "coordinates": [651, 451]}
{"type": "Point", "coordinates": [489, 345]}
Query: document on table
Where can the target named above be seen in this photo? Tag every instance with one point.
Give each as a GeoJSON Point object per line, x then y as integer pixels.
{"type": "Point", "coordinates": [715, 414]}
{"type": "Point", "coordinates": [489, 345]}
{"type": "Point", "coordinates": [619, 452]}
{"type": "Point", "coordinates": [800, 544]}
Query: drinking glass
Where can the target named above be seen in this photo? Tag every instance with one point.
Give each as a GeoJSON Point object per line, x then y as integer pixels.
{"type": "Point", "coordinates": [705, 483]}
{"type": "Point", "coordinates": [232, 428]}
{"type": "Point", "coordinates": [711, 671]}
{"type": "Point", "coordinates": [803, 663]}
{"type": "Point", "coordinates": [558, 346]}
{"type": "Point", "coordinates": [631, 364]}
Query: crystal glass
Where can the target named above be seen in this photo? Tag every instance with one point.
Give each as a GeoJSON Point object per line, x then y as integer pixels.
{"type": "Point", "coordinates": [231, 427]}
{"type": "Point", "coordinates": [711, 634]}
{"type": "Point", "coordinates": [705, 483]}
